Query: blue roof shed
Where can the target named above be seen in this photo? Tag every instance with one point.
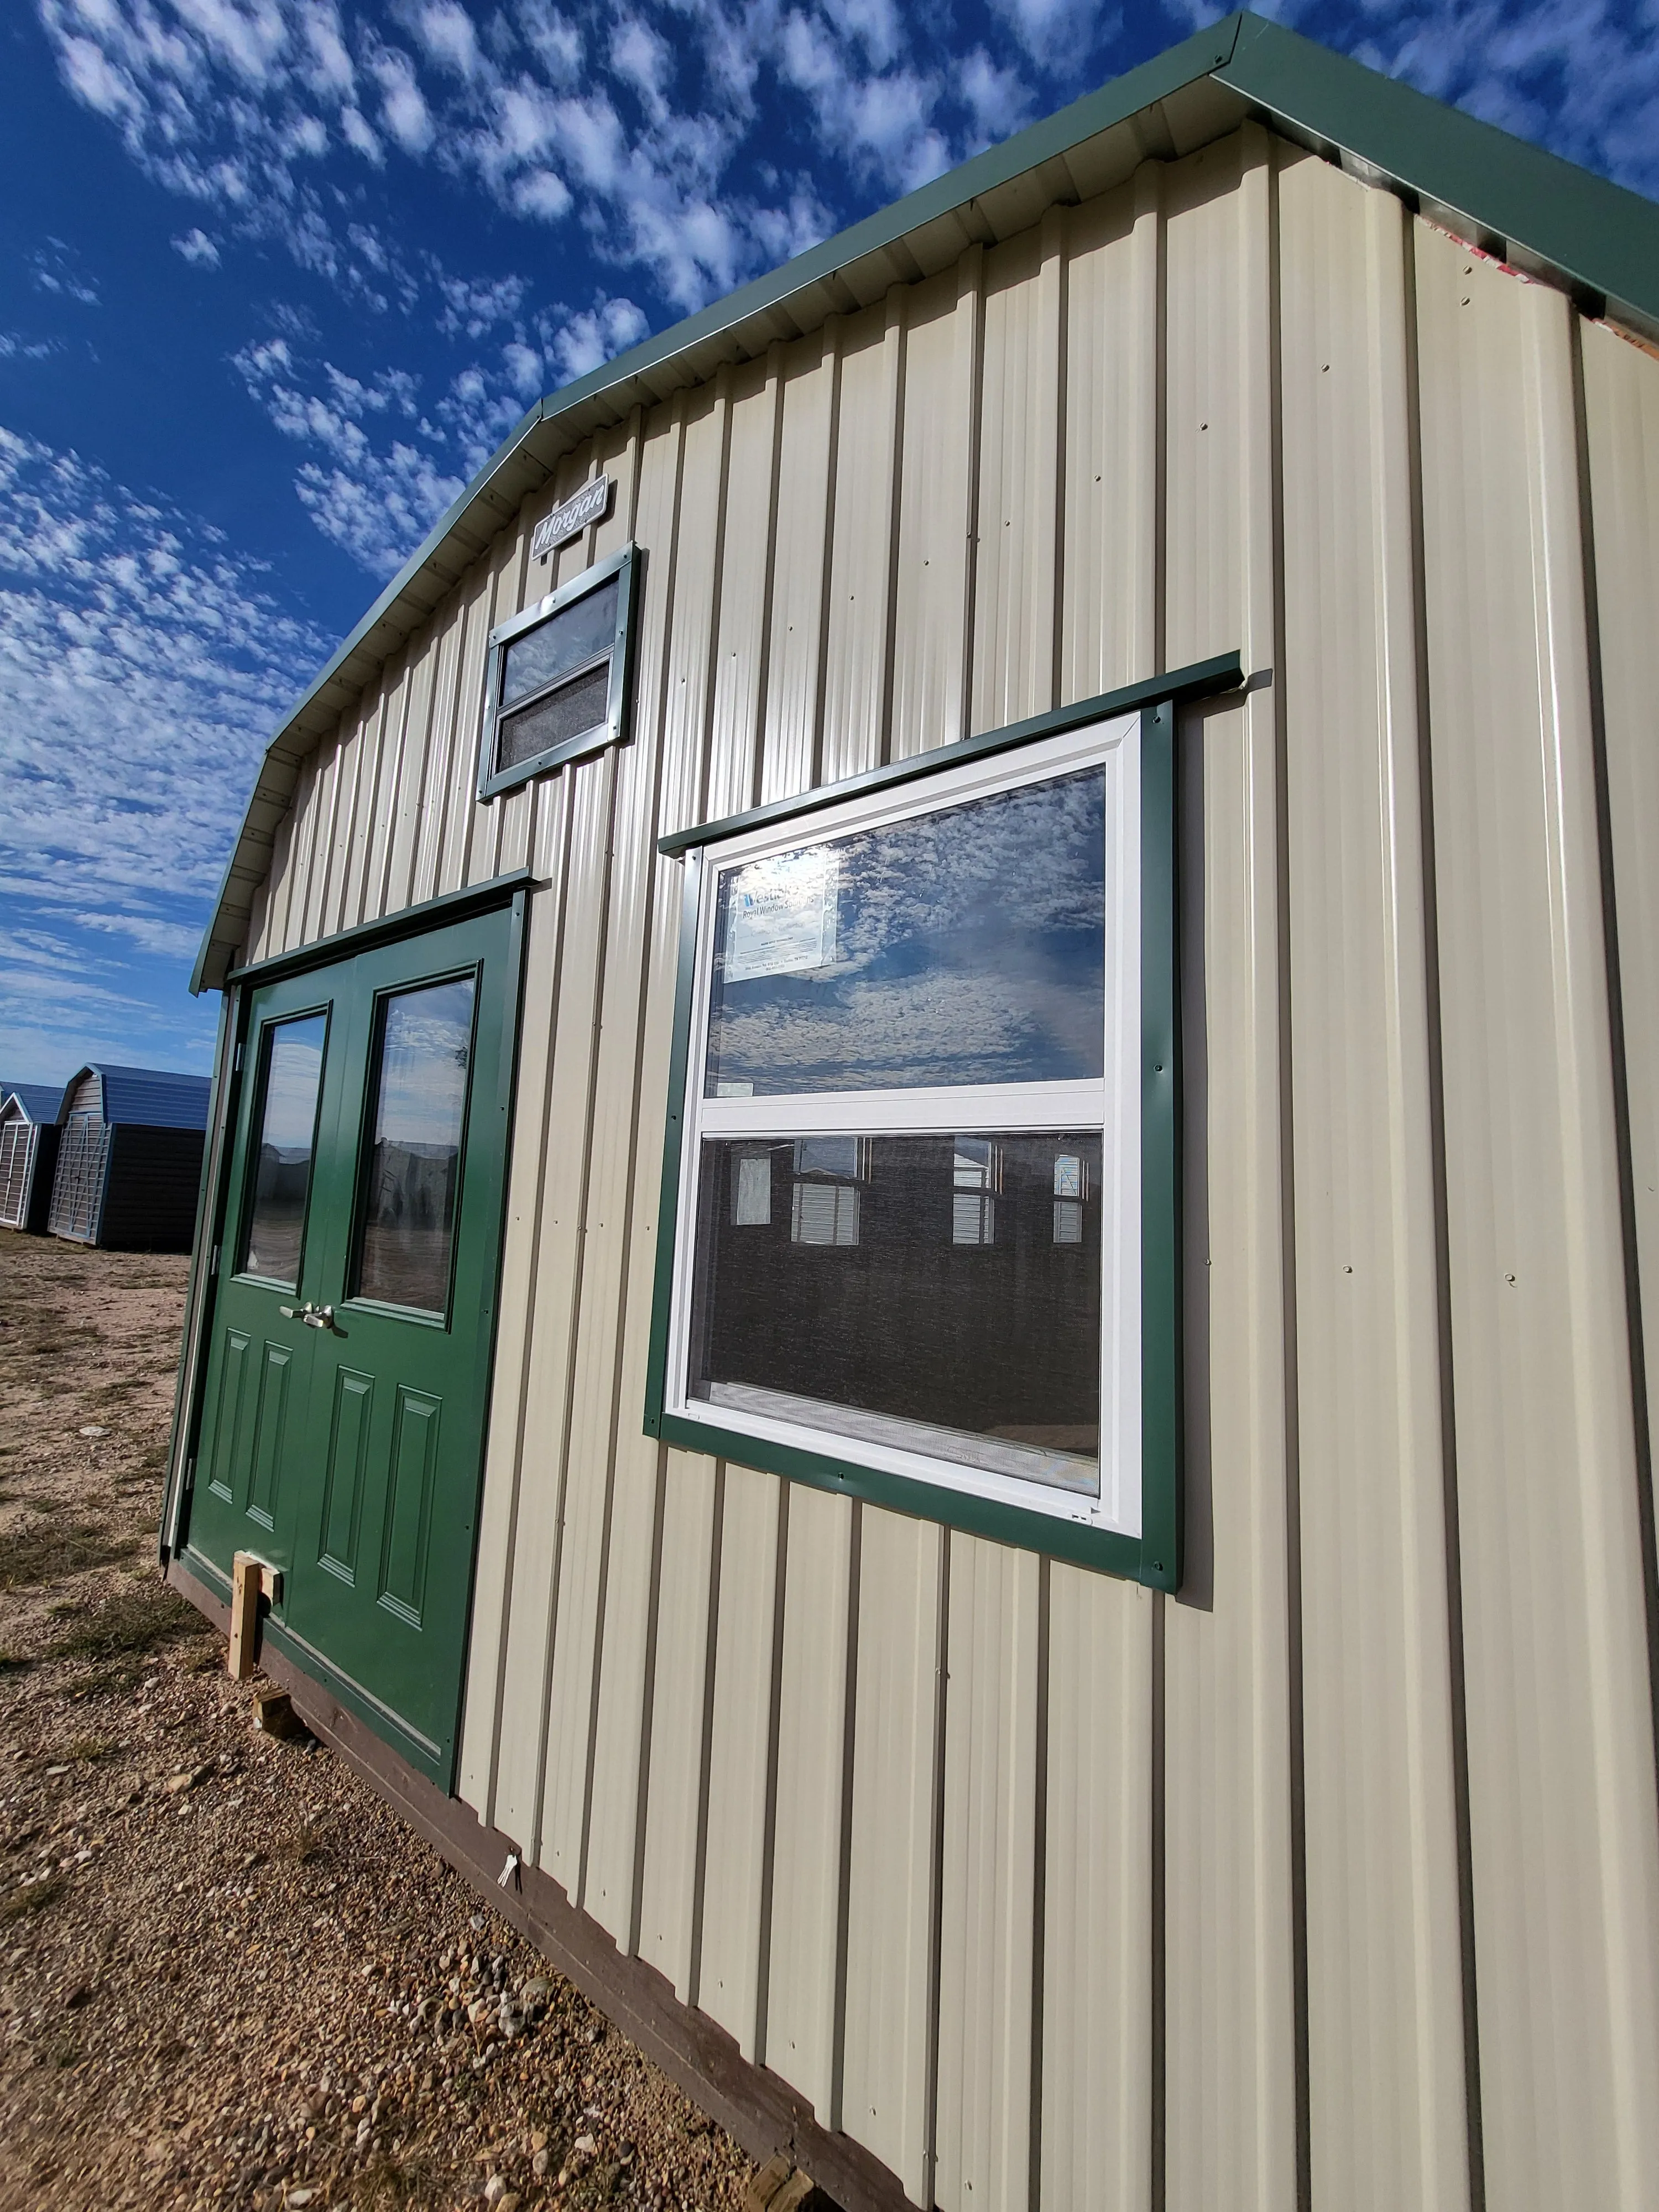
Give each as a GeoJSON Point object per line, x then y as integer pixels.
{"type": "Point", "coordinates": [28, 1152]}
{"type": "Point", "coordinates": [130, 1157]}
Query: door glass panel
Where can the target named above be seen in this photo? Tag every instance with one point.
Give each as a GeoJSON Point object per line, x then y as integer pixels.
{"type": "Point", "coordinates": [925, 1292]}
{"type": "Point", "coordinates": [423, 1050]}
{"type": "Point", "coordinates": [962, 946]}
{"type": "Point", "coordinates": [290, 1081]}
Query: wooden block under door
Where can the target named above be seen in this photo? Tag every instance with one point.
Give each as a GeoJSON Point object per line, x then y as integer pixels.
{"type": "Point", "coordinates": [250, 1578]}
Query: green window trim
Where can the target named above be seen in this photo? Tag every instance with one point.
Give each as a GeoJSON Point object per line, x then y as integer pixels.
{"type": "Point", "coordinates": [1154, 1557]}
{"type": "Point", "coordinates": [627, 567]}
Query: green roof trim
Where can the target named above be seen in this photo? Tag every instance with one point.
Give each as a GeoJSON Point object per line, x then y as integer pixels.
{"type": "Point", "coordinates": [1547, 215]}
{"type": "Point", "coordinates": [1602, 238]}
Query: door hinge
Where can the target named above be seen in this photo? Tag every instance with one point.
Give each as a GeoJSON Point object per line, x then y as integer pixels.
{"type": "Point", "coordinates": [236, 1065]}
{"type": "Point", "coordinates": [213, 1261]}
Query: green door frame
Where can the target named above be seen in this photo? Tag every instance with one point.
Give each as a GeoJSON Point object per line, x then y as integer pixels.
{"type": "Point", "coordinates": [235, 1064]}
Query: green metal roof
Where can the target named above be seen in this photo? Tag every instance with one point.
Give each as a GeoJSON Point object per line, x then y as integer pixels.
{"type": "Point", "coordinates": [1546, 216]}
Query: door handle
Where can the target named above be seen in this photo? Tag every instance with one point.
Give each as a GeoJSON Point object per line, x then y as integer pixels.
{"type": "Point", "coordinates": [313, 1316]}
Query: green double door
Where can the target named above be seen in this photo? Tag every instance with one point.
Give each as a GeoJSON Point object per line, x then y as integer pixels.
{"type": "Point", "coordinates": [347, 1377]}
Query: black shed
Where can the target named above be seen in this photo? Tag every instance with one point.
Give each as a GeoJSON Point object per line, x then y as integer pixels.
{"type": "Point", "coordinates": [28, 1149]}
{"type": "Point", "coordinates": [130, 1158]}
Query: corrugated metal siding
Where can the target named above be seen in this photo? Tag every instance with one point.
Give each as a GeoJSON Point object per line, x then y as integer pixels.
{"type": "Point", "coordinates": [151, 1186]}
{"type": "Point", "coordinates": [1334, 1880]}
{"type": "Point", "coordinates": [86, 1097]}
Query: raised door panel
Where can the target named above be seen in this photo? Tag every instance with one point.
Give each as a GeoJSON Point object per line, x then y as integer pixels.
{"type": "Point", "coordinates": [223, 1459]}
{"type": "Point", "coordinates": [346, 1473]}
{"type": "Point", "coordinates": [264, 1471]}
{"type": "Point", "coordinates": [406, 1542]}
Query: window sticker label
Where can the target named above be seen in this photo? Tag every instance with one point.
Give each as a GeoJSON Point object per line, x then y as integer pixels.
{"type": "Point", "coordinates": [781, 915]}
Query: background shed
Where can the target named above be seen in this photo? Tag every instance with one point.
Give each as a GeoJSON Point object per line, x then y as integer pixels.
{"type": "Point", "coordinates": [130, 1157]}
{"type": "Point", "coordinates": [28, 1153]}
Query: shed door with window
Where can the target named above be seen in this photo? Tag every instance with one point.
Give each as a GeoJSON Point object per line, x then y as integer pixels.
{"type": "Point", "coordinates": [342, 1415]}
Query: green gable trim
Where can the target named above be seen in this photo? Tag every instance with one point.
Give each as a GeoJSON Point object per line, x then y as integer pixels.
{"type": "Point", "coordinates": [1600, 237]}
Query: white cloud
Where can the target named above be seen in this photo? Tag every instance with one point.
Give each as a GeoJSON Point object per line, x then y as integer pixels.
{"type": "Point", "coordinates": [523, 367]}
{"type": "Point", "coordinates": [645, 62]}
{"type": "Point", "coordinates": [997, 99]}
{"type": "Point", "coordinates": [882, 117]}
{"type": "Point", "coordinates": [358, 136]}
{"type": "Point", "coordinates": [598, 334]}
{"type": "Point", "coordinates": [474, 305]}
{"type": "Point", "coordinates": [445, 31]}
{"type": "Point", "coordinates": [541, 193]}
{"type": "Point", "coordinates": [379, 467]}
{"type": "Point", "coordinates": [322, 61]}
{"type": "Point", "coordinates": [873, 23]}
{"type": "Point", "coordinates": [631, 124]}
{"type": "Point", "coordinates": [53, 268]}
{"type": "Point", "coordinates": [198, 249]}
{"type": "Point", "coordinates": [307, 135]}
{"type": "Point", "coordinates": [1054, 31]}
{"type": "Point", "coordinates": [403, 109]}
{"type": "Point", "coordinates": [142, 665]}
{"type": "Point", "coordinates": [14, 346]}
{"type": "Point", "coordinates": [555, 41]}
{"type": "Point", "coordinates": [379, 510]}
{"type": "Point", "coordinates": [380, 461]}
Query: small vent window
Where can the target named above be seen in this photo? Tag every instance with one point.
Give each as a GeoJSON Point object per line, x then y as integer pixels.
{"type": "Point", "coordinates": [559, 675]}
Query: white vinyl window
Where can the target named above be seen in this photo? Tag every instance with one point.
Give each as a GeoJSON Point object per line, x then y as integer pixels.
{"type": "Point", "coordinates": [908, 1186]}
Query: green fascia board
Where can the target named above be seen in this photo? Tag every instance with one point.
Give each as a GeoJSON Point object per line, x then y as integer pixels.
{"type": "Point", "coordinates": [1602, 238]}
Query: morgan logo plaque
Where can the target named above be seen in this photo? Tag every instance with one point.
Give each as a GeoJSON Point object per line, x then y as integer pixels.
{"type": "Point", "coordinates": [590, 504]}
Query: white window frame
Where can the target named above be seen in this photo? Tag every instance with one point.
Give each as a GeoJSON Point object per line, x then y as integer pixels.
{"type": "Point", "coordinates": [1112, 1105]}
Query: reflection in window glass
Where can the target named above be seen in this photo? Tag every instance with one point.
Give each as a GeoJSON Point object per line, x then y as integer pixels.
{"type": "Point", "coordinates": [751, 1191]}
{"type": "Point", "coordinates": [973, 1201]}
{"type": "Point", "coordinates": [425, 1049]}
{"type": "Point", "coordinates": [826, 1202]}
{"type": "Point", "coordinates": [290, 1079]}
{"type": "Point", "coordinates": [861, 1313]}
{"type": "Point", "coordinates": [962, 946]}
{"type": "Point", "coordinates": [566, 640]}
{"type": "Point", "coordinates": [1069, 1187]}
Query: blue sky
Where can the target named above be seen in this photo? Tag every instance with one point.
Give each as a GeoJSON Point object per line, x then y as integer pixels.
{"type": "Point", "coordinates": [277, 275]}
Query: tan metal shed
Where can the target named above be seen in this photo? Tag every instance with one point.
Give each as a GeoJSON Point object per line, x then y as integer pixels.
{"type": "Point", "coordinates": [1322, 1867]}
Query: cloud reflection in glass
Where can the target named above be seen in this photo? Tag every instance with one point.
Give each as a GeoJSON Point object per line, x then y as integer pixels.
{"type": "Point", "coordinates": [965, 946]}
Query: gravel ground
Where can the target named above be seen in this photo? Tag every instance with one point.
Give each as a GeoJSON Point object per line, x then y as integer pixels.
{"type": "Point", "coordinates": [228, 1976]}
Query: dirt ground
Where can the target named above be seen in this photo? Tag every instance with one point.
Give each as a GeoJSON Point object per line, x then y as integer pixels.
{"type": "Point", "coordinates": [228, 1976]}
